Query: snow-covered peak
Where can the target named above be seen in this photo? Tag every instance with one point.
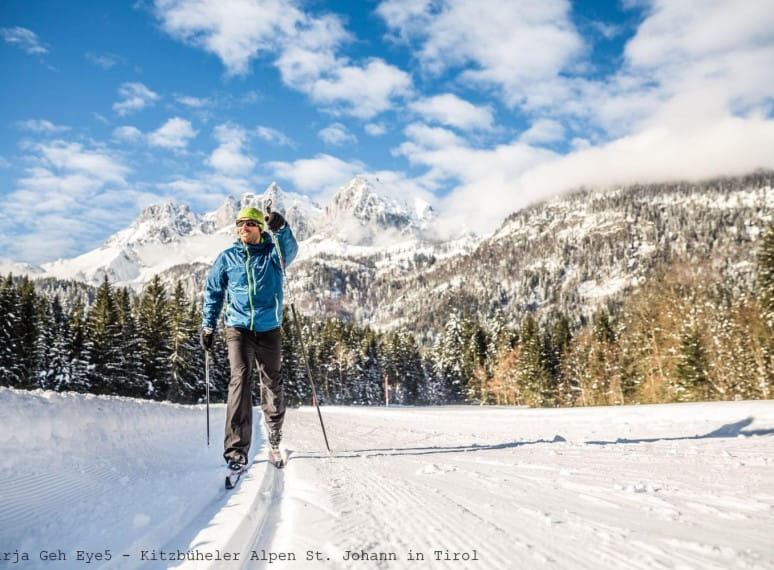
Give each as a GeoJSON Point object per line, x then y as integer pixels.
{"type": "Point", "coordinates": [301, 212]}
{"type": "Point", "coordinates": [158, 223]}
{"type": "Point", "coordinates": [361, 214]}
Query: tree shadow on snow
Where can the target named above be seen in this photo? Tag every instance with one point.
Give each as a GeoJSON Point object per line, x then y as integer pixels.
{"type": "Point", "coordinates": [726, 431]}
{"type": "Point", "coordinates": [732, 430]}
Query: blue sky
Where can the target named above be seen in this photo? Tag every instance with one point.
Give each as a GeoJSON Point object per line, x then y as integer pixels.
{"type": "Point", "coordinates": [476, 106]}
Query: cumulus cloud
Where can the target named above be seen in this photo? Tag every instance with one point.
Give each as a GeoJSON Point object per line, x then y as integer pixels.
{"type": "Point", "coordinates": [193, 102]}
{"type": "Point", "coordinates": [448, 109]}
{"type": "Point", "coordinates": [375, 129]}
{"type": "Point", "coordinates": [174, 134]}
{"type": "Point", "coordinates": [57, 196]}
{"type": "Point", "coordinates": [361, 91]}
{"type": "Point", "coordinates": [273, 136]}
{"type": "Point", "coordinates": [303, 47]}
{"type": "Point", "coordinates": [318, 176]}
{"type": "Point", "coordinates": [543, 131]}
{"type": "Point", "coordinates": [235, 32]}
{"type": "Point", "coordinates": [230, 158]}
{"type": "Point", "coordinates": [134, 97]}
{"type": "Point", "coordinates": [520, 48]}
{"type": "Point", "coordinates": [336, 134]}
{"type": "Point", "coordinates": [41, 126]}
{"type": "Point", "coordinates": [128, 134]}
{"type": "Point", "coordinates": [24, 39]}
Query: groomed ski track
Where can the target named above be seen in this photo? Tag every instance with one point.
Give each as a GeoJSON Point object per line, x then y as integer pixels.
{"type": "Point", "coordinates": [671, 486]}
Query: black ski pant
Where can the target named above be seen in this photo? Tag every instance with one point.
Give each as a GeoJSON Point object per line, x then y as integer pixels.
{"type": "Point", "coordinates": [245, 349]}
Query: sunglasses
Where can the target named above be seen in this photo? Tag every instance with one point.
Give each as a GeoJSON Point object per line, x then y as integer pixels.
{"type": "Point", "coordinates": [248, 223]}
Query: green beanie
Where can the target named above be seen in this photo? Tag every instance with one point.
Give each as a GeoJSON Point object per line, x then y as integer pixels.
{"type": "Point", "coordinates": [251, 214]}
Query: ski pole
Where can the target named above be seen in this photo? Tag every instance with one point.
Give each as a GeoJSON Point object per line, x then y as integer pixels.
{"type": "Point", "coordinates": [207, 389]}
{"type": "Point", "coordinates": [300, 336]}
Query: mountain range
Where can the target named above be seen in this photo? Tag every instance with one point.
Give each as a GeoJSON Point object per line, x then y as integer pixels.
{"type": "Point", "coordinates": [374, 259]}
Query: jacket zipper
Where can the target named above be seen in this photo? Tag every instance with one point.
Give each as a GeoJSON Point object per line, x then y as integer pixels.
{"type": "Point", "coordinates": [249, 287]}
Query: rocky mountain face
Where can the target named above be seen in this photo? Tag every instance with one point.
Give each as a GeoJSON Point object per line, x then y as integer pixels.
{"type": "Point", "coordinates": [370, 258]}
{"type": "Point", "coordinates": [569, 254]}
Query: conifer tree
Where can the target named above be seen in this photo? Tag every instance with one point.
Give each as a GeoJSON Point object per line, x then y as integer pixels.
{"type": "Point", "coordinates": [102, 342]}
{"type": "Point", "coordinates": [182, 380]}
{"type": "Point", "coordinates": [766, 276]}
{"type": "Point", "coordinates": [154, 327]}
{"type": "Point", "coordinates": [131, 380]}
{"type": "Point", "coordinates": [26, 333]}
{"type": "Point", "coordinates": [693, 368]}
{"type": "Point", "coordinates": [11, 373]}
{"type": "Point", "coordinates": [76, 378]}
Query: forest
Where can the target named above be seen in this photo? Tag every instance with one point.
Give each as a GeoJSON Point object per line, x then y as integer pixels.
{"type": "Point", "coordinates": [687, 333]}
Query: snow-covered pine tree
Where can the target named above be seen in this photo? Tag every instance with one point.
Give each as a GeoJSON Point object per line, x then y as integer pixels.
{"type": "Point", "coordinates": [766, 276]}
{"type": "Point", "coordinates": [50, 357]}
{"type": "Point", "coordinates": [131, 379]}
{"type": "Point", "coordinates": [449, 357]}
{"type": "Point", "coordinates": [182, 379]}
{"type": "Point", "coordinates": [11, 372]}
{"type": "Point", "coordinates": [154, 328]}
{"type": "Point", "coordinates": [76, 378]}
{"type": "Point", "coordinates": [26, 333]}
{"type": "Point", "coordinates": [535, 385]}
{"type": "Point", "coordinates": [102, 344]}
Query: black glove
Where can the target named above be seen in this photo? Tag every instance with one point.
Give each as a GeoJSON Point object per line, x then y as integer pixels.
{"type": "Point", "coordinates": [205, 339]}
{"type": "Point", "coordinates": [275, 221]}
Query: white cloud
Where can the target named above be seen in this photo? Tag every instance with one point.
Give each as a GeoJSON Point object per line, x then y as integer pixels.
{"type": "Point", "coordinates": [229, 157]}
{"type": "Point", "coordinates": [320, 175]}
{"type": "Point", "coordinates": [236, 31]}
{"type": "Point", "coordinates": [362, 92]}
{"type": "Point", "coordinates": [134, 97]}
{"type": "Point", "coordinates": [543, 131]}
{"type": "Point", "coordinates": [375, 129]}
{"type": "Point", "coordinates": [174, 134]}
{"type": "Point", "coordinates": [41, 126]}
{"type": "Point", "coordinates": [510, 176]}
{"type": "Point", "coordinates": [193, 102]}
{"type": "Point", "coordinates": [273, 136]}
{"type": "Point", "coordinates": [336, 134]}
{"type": "Point", "coordinates": [72, 158]}
{"type": "Point", "coordinates": [67, 181]}
{"type": "Point", "coordinates": [127, 133]}
{"type": "Point", "coordinates": [304, 47]}
{"type": "Point", "coordinates": [432, 137]}
{"type": "Point", "coordinates": [25, 39]}
{"type": "Point", "coordinates": [519, 47]}
{"type": "Point", "coordinates": [105, 60]}
{"type": "Point", "coordinates": [448, 109]}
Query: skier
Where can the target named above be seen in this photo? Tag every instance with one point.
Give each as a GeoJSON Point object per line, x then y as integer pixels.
{"type": "Point", "coordinates": [249, 276]}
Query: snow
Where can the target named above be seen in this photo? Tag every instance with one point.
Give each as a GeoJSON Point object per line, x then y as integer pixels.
{"type": "Point", "coordinates": [665, 486]}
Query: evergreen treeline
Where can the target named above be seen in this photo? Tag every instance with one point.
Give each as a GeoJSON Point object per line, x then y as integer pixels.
{"type": "Point", "coordinates": [147, 346]}
{"type": "Point", "coordinates": [688, 333]}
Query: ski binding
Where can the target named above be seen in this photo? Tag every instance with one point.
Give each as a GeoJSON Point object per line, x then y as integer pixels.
{"type": "Point", "coordinates": [234, 475]}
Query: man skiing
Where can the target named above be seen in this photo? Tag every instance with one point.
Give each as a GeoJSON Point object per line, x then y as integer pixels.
{"type": "Point", "coordinates": [248, 275]}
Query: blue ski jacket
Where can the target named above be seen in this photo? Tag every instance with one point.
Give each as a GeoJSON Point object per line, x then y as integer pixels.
{"type": "Point", "coordinates": [249, 279]}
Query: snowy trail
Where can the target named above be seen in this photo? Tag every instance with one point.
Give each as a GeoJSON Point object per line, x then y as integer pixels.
{"type": "Point", "coordinates": [639, 487]}
{"type": "Point", "coordinates": [672, 486]}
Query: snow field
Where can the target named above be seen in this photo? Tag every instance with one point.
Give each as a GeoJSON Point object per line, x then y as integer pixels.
{"type": "Point", "coordinates": [669, 486]}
